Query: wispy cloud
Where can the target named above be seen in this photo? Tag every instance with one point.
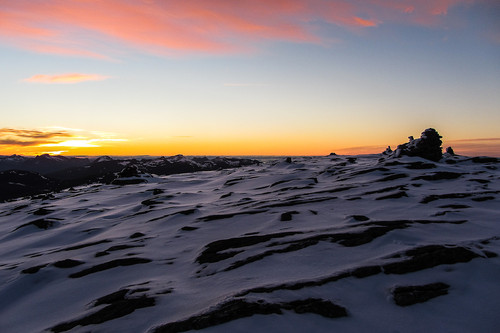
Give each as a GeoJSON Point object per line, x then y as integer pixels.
{"type": "Point", "coordinates": [476, 147]}
{"type": "Point", "coordinates": [39, 139]}
{"type": "Point", "coordinates": [96, 28]}
{"type": "Point", "coordinates": [65, 78]}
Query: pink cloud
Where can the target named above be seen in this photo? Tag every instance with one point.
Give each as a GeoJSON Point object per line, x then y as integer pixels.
{"type": "Point", "coordinates": [96, 28]}
{"type": "Point", "coordinates": [65, 78]}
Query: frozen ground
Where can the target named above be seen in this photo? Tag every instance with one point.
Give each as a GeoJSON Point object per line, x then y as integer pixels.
{"type": "Point", "coordinates": [322, 244]}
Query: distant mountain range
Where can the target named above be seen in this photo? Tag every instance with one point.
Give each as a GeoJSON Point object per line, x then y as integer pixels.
{"type": "Point", "coordinates": [23, 176]}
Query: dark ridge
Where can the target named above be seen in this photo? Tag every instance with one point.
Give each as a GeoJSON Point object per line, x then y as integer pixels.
{"type": "Point", "coordinates": [392, 177]}
{"type": "Point", "coordinates": [318, 306]}
{"type": "Point", "coordinates": [40, 224]}
{"type": "Point", "coordinates": [484, 159]}
{"type": "Point", "coordinates": [116, 248]}
{"type": "Point", "coordinates": [429, 256]}
{"type": "Point", "coordinates": [150, 202]}
{"type": "Point", "coordinates": [216, 251]}
{"type": "Point", "coordinates": [346, 239]}
{"type": "Point", "coordinates": [434, 197]}
{"type": "Point", "coordinates": [81, 246]}
{"type": "Point", "coordinates": [420, 258]}
{"type": "Point", "coordinates": [281, 182]}
{"type": "Point", "coordinates": [454, 206]}
{"type": "Point", "coordinates": [33, 270]}
{"type": "Point", "coordinates": [479, 199]}
{"type": "Point", "coordinates": [119, 306]}
{"type": "Point", "coordinates": [188, 228]}
{"type": "Point", "coordinates": [226, 195]}
{"type": "Point", "coordinates": [227, 216]}
{"type": "Point", "coordinates": [420, 166]}
{"type": "Point", "coordinates": [234, 181]}
{"type": "Point", "coordinates": [183, 212]}
{"type": "Point", "coordinates": [157, 191]}
{"type": "Point", "coordinates": [440, 175]}
{"type": "Point", "coordinates": [362, 172]}
{"type": "Point", "coordinates": [67, 263]}
{"type": "Point", "coordinates": [360, 218]}
{"type": "Point", "coordinates": [136, 235]}
{"type": "Point", "coordinates": [122, 247]}
{"type": "Point", "coordinates": [42, 211]}
{"type": "Point", "coordinates": [387, 189]}
{"type": "Point", "coordinates": [409, 295]}
{"type": "Point", "coordinates": [480, 181]}
{"type": "Point", "coordinates": [296, 202]}
{"type": "Point", "coordinates": [109, 265]}
{"type": "Point", "coordinates": [241, 308]}
{"type": "Point", "coordinates": [186, 212]}
{"type": "Point", "coordinates": [112, 298]}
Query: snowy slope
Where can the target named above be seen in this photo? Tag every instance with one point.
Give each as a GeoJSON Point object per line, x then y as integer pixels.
{"type": "Point", "coordinates": [320, 244]}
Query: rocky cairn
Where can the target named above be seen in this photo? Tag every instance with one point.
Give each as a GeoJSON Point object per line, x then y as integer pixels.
{"type": "Point", "coordinates": [428, 146]}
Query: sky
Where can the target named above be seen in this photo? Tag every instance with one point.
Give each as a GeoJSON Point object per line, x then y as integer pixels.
{"type": "Point", "coordinates": [247, 77]}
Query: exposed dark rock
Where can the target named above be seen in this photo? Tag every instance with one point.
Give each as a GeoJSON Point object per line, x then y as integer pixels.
{"type": "Point", "coordinates": [137, 235]}
{"type": "Point", "coordinates": [428, 146]}
{"type": "Point", "coordinates": [84, 245]}
{"type": "Point", "coordinates": [130, 170]}
{"type": "Point", "coordinates": [241, 308]}
{"type": "Point", "coordinates": [287, 216]}
{"type": "Point", "coordinates": [42, 211]}
{"type": "Point", "coordinates": [475, 195]}
{"type": "Point", "coordinates": [453, 206]}
{"type": "Point", "coordinates": [480, 181]}
{"type": "Point", "coordinates": [429, 256]}
{"type": "Point", "coordinates": [67, 263]}
{"type": "Point", "coordinates": [40, 224]}
{"type": "Point", "coordinates": [440, 175]}
{"type": "Point", "coordinates": [218, 250]}
{"type": "Point", "coordinates": [420, 165]}
{"type": "Point", "coordinates": [130, 181]}
{"type": "Point", "coordinates": [118, 306]}
{"type": "Point", "coordinates": [150, 202]}
{"type": "Point", "coordinates": [392, 177]}
{"type": "Point", "coordinates": [450, 151]}
{"type": "Point", "coordinates": [109, 265]}
{"type": "Point", "coordinates": [360, 218]}
{"type": "Point", "coordinates": [226, 195]}
{"type": "Point", "coordinates": [479, 199]}
{"type": "Point", "coordinates": [316, 305]}
{"type": "Point", "coordinates": [409, 295]}
{"type": "Point", "coordinates": [484, 159]}
{"type": "Point", "coordinates": [288, 160]}
{"type": "Point", "coordinates": [33, 270]}
{"type": "Point", "coordinates": [157, 191]}
{"type": "Point", "coordinates": [188, 228]}
{"type": "Point", "coordinates": [227, 216]}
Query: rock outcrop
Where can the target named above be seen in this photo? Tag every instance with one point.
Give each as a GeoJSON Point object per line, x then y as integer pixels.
{"type": "Point", "coordinates": [428, 146]}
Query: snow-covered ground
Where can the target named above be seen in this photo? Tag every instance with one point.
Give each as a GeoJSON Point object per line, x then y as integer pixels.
{"type": "Point", "coordinates": [317, 245]}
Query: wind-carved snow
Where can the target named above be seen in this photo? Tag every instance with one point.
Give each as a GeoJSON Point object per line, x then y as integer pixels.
{"type": "Point", "coordinates": [339, 243]}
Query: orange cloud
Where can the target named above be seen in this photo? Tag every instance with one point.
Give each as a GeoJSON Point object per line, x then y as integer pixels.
{"type": "Point", "coordinates": [65, 78]}
{"type": "Point", "coordinates": [95, 28]}
{"type": "Point", "coordinates": [29, 141]}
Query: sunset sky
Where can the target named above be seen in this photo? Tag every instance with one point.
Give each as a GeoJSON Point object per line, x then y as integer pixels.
{"type": "Point", "coordinates": [247, 77]}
